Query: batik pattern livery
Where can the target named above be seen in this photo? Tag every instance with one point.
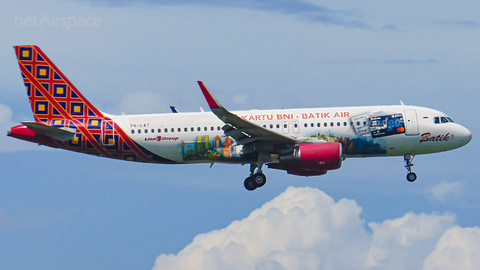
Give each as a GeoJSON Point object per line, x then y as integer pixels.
{"type": "Point", "coordinates": [56, 102]}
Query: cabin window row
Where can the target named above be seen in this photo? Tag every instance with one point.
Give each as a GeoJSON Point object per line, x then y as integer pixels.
{"type": "Point", "coordinates": [332, 124]}
{"type": "Point", "coordinates": [166, 130]}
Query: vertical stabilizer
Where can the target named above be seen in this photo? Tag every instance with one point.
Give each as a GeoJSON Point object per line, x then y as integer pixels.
{"type": "Point", "coordinates": [53, 98]}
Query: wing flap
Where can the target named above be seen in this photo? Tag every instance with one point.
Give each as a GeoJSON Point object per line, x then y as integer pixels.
{"type": "Point", "coordinates": [62, 134]}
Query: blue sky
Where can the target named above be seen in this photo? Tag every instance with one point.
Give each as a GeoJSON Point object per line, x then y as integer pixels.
{"type": "Point", "coordinates": [62, 210]}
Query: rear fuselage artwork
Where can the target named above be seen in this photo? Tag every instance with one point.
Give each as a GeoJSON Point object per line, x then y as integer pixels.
{"type": "Point", "coordinates": [305, 142]}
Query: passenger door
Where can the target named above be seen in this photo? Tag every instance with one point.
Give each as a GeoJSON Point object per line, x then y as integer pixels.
{"type": "Point", "coordinates": [411, 122]}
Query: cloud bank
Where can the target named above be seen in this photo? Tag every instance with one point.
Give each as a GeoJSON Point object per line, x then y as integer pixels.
{"type": "Point", "coordinates": [304, 228]}
{"type": "Point", "coordinates": [303, 10]}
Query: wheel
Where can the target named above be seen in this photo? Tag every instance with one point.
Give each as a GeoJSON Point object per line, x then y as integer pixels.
{"type": "Point", "coordinates": [250, 184]}
{"type": "Point", "coordinates": [411, 177]}
{"type": "Point", "coordinates": [259, 179]}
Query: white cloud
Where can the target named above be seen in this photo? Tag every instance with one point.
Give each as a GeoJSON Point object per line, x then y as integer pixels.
{"type": "Point", "coordinates": [5, 114]}
{"type": "Point", "coordinates": [411, 236]}
{"type": "Point", "coordinates": [239, 99]}
{"type": "Point", "coordinates": [444, 190]}
{"type": "Point", "coordinates": [458, 248]}
{"type": "Point", "coordinates": [304, 228]}
{"type": "Point", "coordinates": [8, 144]}
{"type": "Point", "coordinates": [138, 103]}
{"type": "Point", "coordinates": [38, 219]}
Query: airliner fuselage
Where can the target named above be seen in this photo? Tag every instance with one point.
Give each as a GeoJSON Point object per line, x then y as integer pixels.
{"type": "Point", "coordinates": [394, 131]}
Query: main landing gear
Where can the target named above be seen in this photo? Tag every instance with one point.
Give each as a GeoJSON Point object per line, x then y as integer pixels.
{"type": "Point", "coordinates": [255, 180]}
{"type": "Point", "coordinates": [411, 176]}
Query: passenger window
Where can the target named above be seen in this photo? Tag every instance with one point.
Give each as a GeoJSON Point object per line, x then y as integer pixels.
{"type": "Point", "coordinates": [338, 124]}
{"type": "Point", "coordinates": [344, 124]}
{"type": "Point", "coordinates": [271, 126]}
{"type": "Point", "coordinates": [153, 130]}
{"type": "Point", "coordinates": [325, 124]}
{"type": "Point", "coordinates": [331, 124]}
{"type": "Point", "coordinates": [218, 128]}
{"type": "Point", "coordinates": [192, 129]}
{"type": "Point", "coordinates": [278, 126]}
{"type": "Point", "coordinates": [139, 131]}
{"type": "Point", "coordinates": [264, 126]}
{"type": "Point", "coordinates": [159, 131]}
{"type": "Point", "coordinates": [305, 125]}
{"type": "Point", "coordinates": [212, 128]}
{"type": "Point", "coordinates": [318, 124]}
{"type": "Point", "coordinates": [199, 129]}
{"type": "Point", "coordinates": [146, 130]}
{"type": "Point", "coordinates": [166, 130]}
{"type": "Point", "coordinates": [284, 125]}
{"type": "Point", "coordinates": [205, 128]}
{"type": "Point", "coordinates": [173, 130]}
{"type": "Point", "coordinates": [133, 131]}
{"type": "Point", "coordinates": [312, 125]}
{"type": "Point", "coordinates": [179, 129]}
{"type": "Point", "coordinates": [185, 129]}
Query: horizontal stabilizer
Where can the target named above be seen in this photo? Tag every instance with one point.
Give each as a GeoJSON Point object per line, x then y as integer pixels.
{"type": "Point", "coordinates": [62, 134]}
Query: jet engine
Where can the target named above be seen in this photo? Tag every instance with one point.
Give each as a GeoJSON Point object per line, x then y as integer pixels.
{"type": "Point", "coordinates": [311, 159]}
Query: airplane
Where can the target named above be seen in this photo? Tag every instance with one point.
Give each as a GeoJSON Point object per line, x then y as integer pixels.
{"type": "Point", "coordinates": [304, 142]}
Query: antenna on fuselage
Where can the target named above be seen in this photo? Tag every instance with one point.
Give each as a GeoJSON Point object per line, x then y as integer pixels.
{"type": "Point", "coordinates": [401, 103]}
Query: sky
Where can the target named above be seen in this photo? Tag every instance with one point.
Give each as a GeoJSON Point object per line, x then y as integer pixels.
{"type": "Point", "coordinates": [65, 210]}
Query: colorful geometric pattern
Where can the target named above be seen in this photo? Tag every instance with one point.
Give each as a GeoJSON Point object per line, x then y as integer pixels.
{"type": "Point", "coordinates": [55, 101]}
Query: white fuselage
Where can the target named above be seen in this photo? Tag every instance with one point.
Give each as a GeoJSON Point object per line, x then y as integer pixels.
{"type": "Point", "coordinates": [363, 131]}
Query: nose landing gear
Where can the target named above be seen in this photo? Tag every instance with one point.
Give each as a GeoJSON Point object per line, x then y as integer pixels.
{"type": "Point", "coordinates": [411, 176]}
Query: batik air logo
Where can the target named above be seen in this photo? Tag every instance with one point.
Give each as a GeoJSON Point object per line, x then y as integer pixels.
{"type": "Point", "coordinates": [160, 138]}
{"type": "Point", "coordinates": [427, 137]}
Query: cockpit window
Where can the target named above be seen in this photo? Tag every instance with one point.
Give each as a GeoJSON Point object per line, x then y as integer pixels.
{"type": "Point", "coordinates": [442, 119]}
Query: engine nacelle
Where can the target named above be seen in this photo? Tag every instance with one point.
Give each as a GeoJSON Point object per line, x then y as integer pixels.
{"type": "Point", "coordinates": [315, 157]}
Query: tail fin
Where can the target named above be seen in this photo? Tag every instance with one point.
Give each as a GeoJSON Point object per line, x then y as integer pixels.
{"type": "Point", "coordinates": [52, 96]}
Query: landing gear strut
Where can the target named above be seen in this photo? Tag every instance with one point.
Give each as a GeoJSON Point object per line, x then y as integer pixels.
{"type": "Point", "coordinates": [255, 180]}
{"type": "Point", "coordinates": [411, 176]}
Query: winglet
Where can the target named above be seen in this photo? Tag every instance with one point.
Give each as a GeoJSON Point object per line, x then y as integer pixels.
{"type": "Point", "coordinates": [211, 100]}
{"type": "Point", "coordinates": [174, 110]}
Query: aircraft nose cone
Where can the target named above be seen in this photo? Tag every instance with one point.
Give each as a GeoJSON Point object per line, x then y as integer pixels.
{"type": "Point", "coordinates": [464, 135]}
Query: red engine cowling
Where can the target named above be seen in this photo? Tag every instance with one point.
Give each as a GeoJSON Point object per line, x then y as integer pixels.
{"type": "Point", "coordinates": [311, 157]}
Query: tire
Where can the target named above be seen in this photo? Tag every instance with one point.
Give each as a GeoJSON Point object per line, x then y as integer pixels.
{"type": "Point", "coordinates": [411, 177]}
{"type": "Point", "coordinates": [259, 179]}
{"type": "Point", "coordinates": [249, 184]}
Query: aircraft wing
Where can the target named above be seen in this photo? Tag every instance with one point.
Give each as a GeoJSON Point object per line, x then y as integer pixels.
{"type": "Point", "coordinates": [245, 132]}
